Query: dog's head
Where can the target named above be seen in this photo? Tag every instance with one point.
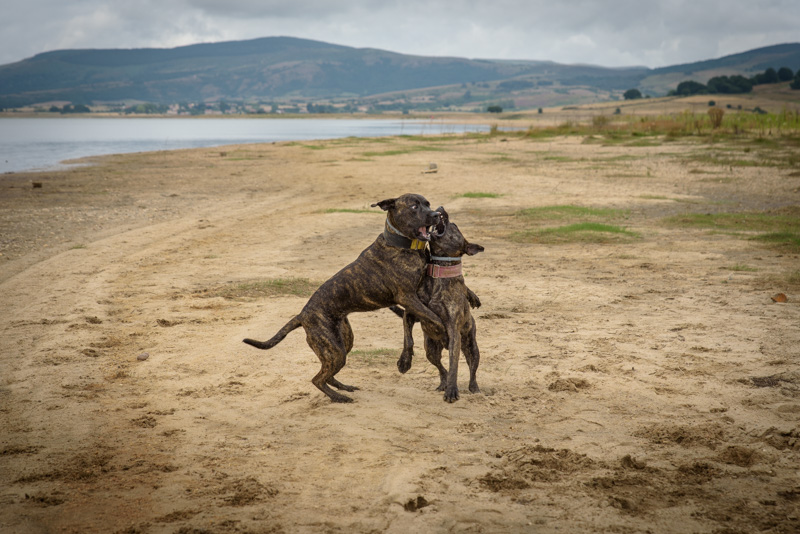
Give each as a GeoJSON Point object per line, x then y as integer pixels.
{"type": "Point", "coordinates": [448, 241]}
{"type": "Point", "coordinates": [411, 215]}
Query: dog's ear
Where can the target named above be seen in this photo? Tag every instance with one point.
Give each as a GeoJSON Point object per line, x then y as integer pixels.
{"type": "Point", "coordinates": [386, 205]}
{"type": "Point", "coordinates": [472, 249]}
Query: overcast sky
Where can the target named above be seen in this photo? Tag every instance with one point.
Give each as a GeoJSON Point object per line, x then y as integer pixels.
{"type": "Point", "coordinates": [602, 32]}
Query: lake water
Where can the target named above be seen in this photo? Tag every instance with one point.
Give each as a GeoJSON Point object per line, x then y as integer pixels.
{"type": "Point", "coordinates": [43, 143]}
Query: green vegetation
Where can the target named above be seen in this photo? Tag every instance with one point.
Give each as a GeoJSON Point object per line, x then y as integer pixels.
{"type": "Point", "coordinates": [571, 212]}
{"type": "Point", "coordinates": [779, 229]}
{"type": "Point", "coordinates": [587, 232]}
{"type": "Point", "coordinates": [788, 240]}
{"type": "Point", "coordinates": [480, 195]}
{"type": "Point", "coordinates": [270, 287]}
{"type": "Point", "coordinates": [774, 130]}
{"type": "Point", "coordinates": [371, 357]}
{"type": "Point", "coordinates": [632, 94]}
{"type": "Point", "coordinates": [785, 280]}
{"type": "Point", "coordinates": [735, 84]}
{"type": "Point", "coordinates": [587, 225]}
{"type": "Point", "coordinates": [401, 151]}
{"type": "Point", "coordinates": [348, 210]}
{"type": "Point", "coordinates": [742, 268]}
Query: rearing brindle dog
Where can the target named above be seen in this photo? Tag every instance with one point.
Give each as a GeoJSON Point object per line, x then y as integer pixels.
{"type": "Point", "coordinates": [387, 272]}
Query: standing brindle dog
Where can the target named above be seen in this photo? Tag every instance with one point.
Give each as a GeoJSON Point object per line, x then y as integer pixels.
{"type": "Point", "coordinates": [387, 272]}
{"type": "Point", "coordinates": [444, 292]}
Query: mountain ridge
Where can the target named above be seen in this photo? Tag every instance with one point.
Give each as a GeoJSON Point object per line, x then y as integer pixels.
{"type": "Point", "coordinates": [285, 68]}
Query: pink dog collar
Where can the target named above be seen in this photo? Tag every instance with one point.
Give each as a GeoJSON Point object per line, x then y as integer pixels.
{"type": "Point", "coordinates": [443, 271]}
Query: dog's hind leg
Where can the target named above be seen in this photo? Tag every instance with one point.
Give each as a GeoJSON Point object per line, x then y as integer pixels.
{"type": "Point", "coordinates": [454, 348]}
{"type": "Point", "coordinates": [469, 345]}
{"type": "Point", "coordinates": [346, 334]}
{"type": "Point", "coordinates": [329, 347]}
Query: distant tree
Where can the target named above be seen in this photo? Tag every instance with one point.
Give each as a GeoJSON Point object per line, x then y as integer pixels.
{"type": "Point", "coordinates": [632, 94]}
{"type": "Point", "coordinates": [796, 83]}
{"type": "Point", "coordinates": [54, 109]}
{"type": "Point", "coordinates": [494, 109]}
{"type": "Point", "coordinates": [785, 74]}
{"type": "Point", "coordinates": [690, 87]}
{"type": "Point", "coordinates": [733, 85]}
{"type": "Point", "coordinates": [541, 111]}
{"type": "Point", "coordinates": [768, 76]}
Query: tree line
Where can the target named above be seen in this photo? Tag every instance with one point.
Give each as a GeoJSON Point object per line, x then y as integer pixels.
{"type": "Point", "coordinates": [737, 83]}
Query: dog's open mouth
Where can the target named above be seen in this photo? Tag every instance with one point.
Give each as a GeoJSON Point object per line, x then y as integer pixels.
{"type": "Point", "coordinates": [438, 229]}
{"type": "Point", "coordinates": [424, 234]}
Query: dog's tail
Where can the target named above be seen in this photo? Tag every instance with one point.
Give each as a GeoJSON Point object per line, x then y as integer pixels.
{"type": "Point", "coordinates": [277, 338]}
{"type": "Point", "coordinates": [397, 310]}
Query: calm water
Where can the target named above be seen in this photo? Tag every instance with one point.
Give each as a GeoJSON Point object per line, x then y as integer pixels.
{"type": "Point", "coordinates": [43, 143]}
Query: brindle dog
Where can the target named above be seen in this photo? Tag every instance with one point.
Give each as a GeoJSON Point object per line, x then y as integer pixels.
{"type": "Point", "coordinates": [387, 272]}
{"type": "Point", "coordinates": [445, 293]}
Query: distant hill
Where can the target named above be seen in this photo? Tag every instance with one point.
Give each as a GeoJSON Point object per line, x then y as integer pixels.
{"type": "Point", "coordinates": [282, 68]}
{"type": "Point", "coordinates": [659, 81]}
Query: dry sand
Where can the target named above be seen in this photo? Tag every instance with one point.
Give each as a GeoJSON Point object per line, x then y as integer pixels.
{"type": "Point", "coordinates": [641, 385]}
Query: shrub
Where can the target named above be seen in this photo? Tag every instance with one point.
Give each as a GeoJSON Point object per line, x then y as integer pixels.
{"type": "Point", "coordinates": [494, 109]}
{"type": "Point", "coordinates": [716, 114]}
{"type": "Point", "coordinates": [632, 94]}
{"type": "Point", "coordinates": [690, 87]}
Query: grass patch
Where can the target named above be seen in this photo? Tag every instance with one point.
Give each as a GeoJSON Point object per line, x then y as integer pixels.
{"type": "Point", "coordinates": [786, 281]}
{"type": "Point", "coordinates": [477, 194]}
{"type": "Point", "coordinates": [402, 151]}
{"type": "Point", "coordinates": [372, 357]}
{"type": "Point", "coordinates": [788, 241]}
{"type": "Point", "coordinates": [770, 130]}
{"type": "Point", "coordinates": [786, 220]}
{"type": "Point", "coordinates": [585, 232]}
{"type": "Point", "coordinates": [270, 287]}
{"type": "Point", "coordinates": [741, 268]}
{"type": "Point", "coordinates": [570, 212]}
{"type": "Point", "coordinates": [779, 229]}
{"type": "Point", "coordinates": [347, 210]}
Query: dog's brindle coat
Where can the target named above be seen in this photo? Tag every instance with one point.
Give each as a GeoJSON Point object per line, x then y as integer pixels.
{"type": "Point", "coordinates": [450, 299]}
{"type": "Point", "coordinates": [387, 272]}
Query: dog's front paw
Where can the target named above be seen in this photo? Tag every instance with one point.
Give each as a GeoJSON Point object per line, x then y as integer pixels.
{"type": "Point", "coordinates": [474, 301]}
{"type": "Point", "coordinates": [451, 394]}
{"type": "Point", "coordinates": [404, 363]}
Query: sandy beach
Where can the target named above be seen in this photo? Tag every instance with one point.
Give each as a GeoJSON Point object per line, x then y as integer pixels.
{"type": "Point", "coordinates": [642, 382]}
